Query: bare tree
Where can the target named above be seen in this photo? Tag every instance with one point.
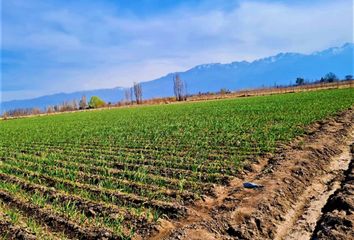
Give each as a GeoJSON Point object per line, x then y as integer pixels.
{"type": "Point", "coordinates": [49, 109]}
{"type": "Point", "coordinates": [131, 90]}
{"type": "Point", "coordinates": [83, 102]}
{"type": "Point", "coordinates": [185, 91]}
{"type": "Point", "coordinates": [131, 94]}
{"type": "Point", "coordinates": [138, 93]}
{"type": "Point", "coordinates": [5, 115]}
{"type": "Point", "coordinates": [128, 95]}
{"type": "Point", "coordinates": [68, 106]}
{"type": "Point", "coordinates": [17, 112]}
{"type": "Point", "coordinates": [179, 88]}
{"type": "Point", "coordinates": [36, 111]}
{"type": "Point", "coordinates": [74, 105]}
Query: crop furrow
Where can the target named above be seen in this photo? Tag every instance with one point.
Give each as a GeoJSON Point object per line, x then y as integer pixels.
{"type": "Point", "coordinates": [91, 175]}
{"type": "Point", "coordinates": [196, 166]}
{"type": "Point", "coordinates": [204, 155]}
{"type": "Point", "coordinates": [89, 208]}
{"type": "Point", "coordinates": [10, 231]}
{"type": "Point", "coordinates": [116, 197]}
{"type": "Point", "coordinates": [56, 222]}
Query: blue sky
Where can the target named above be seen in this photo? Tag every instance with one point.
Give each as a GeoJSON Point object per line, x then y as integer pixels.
{"type": "Point", "coordinates": [65, 45]}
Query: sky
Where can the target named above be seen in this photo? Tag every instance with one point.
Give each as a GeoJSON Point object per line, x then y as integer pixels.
{"type": "Point", "coordinates": [72, 45]}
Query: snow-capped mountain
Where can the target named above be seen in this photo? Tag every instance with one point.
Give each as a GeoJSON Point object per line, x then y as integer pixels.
{"type": "Point", "coordinates": [281, 69]}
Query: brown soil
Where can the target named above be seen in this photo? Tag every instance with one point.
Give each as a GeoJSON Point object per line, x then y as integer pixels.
{"type": "Point", "coordinates": [10, 231]}
{"type": "Point", "coordinates": [89, 208]}
{"type": "Point", "coordinates": [56, 222]}
{"type": "Point", "coordinates": [172, 210]}
{"type": "Point", "coordinates": [298, 180]}
{"type": "Point", "coordinates": [337, 221]}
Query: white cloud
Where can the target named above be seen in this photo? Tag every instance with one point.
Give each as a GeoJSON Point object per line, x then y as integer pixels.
{"type": "Point", "coordinates": [100, 48]}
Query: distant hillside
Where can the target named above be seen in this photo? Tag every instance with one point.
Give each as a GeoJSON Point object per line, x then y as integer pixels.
{"type": "Point", "coordinates": [109, 95]}
{"type": "Point", "coordinates": [281, 69]}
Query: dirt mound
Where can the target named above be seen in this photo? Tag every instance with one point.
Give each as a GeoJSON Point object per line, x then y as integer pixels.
{"type": "Point", "coordinates": [297, 180]}
{"type": "Point", "coordinates": [337, 221]}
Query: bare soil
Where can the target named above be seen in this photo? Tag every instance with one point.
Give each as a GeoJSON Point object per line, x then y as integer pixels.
{"type": "Point", "coordinates": [307, 194]}
{"type": "Point", "coordinates": [55, 222]}
{"type": "Point", "coordinates": [11, 231]}
{"type": "Point", "coordinates": [337, 221]}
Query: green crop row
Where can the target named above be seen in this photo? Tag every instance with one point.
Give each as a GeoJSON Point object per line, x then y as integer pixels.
{"type": "Point", "coordinates": [151, 159]}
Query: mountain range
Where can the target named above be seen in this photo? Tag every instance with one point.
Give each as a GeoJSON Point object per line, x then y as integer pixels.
{"type": "Point", "coordinates": [281, 69]}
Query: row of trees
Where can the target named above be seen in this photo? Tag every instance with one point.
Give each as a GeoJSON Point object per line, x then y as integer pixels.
{"type": "Point", "coordinates": [135, 95]}
{"type": "Point", "coordinates": [136, 92]}
{"type": "Point", "coordinates": [95, 102]}
{"type": "Point", "coordinates": [131, 95]}
{"type": "Point", "coordinates": [67, 106]}
{"type": "Point", "coordinates": [21, 112]}
{"type": "Point", "coordinates": [328, 78]}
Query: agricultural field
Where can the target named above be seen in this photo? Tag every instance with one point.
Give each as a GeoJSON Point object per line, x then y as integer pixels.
{"type": "Point", "coordinates": [120, 173]}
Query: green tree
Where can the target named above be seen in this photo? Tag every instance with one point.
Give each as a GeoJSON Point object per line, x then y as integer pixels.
{"type": "Point", "coordinates": [330, 77]}
{"type": "Point", "coordinates": [349, 77]}
{"type": "Point", "coordinates": [224, 91]}
{"type": "Point", "coordinates": [96, 102]}
{"type": "Point", "coordinates": [300, 81]}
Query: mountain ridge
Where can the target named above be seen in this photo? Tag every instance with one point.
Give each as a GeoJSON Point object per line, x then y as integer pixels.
{"type": "Point", "coordinates": [280, 69]}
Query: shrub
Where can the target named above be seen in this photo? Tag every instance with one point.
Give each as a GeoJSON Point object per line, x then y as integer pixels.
{"type": "Point", "coordinates": [96, 102]}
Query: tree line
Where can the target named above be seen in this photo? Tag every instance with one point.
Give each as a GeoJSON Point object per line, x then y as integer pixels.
{"type": "Point", "coordinates": [134, 95]}
{"type": "Point", "coordinates": [328, 78]}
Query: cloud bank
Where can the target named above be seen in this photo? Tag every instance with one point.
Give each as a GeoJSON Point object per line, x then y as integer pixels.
{"type": "Point", "coordinates": [56, 46]}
